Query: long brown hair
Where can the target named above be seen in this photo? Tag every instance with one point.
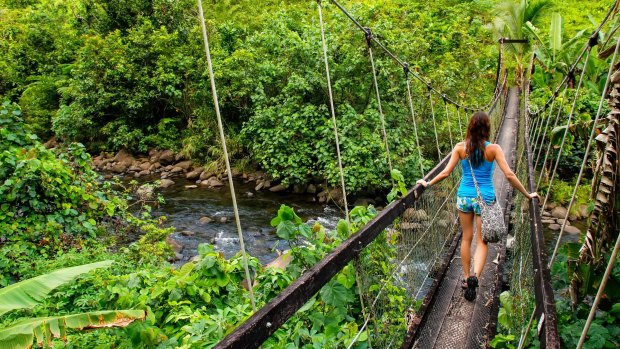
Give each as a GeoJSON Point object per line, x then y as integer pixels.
{"type": "Point", "coordinates": [478, 132]}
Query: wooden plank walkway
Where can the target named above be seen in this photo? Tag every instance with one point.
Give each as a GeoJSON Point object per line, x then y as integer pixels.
{"type": "Point", "coordinates": [452, 321]}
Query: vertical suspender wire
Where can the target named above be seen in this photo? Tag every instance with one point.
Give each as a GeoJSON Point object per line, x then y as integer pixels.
{"type": "Point", "coordinates": [415, 126]}
{"type": "Point", "coordinates": [570, 117]}
{"type": "Point", "coordinates": [458, 113]}
{"type": "Point", "coordinates": [542, 141]}
{"type": "Point", "coordinates": [585, 156]}
{"type": "Point", "coordinates": [430, 100]}
{"type": "Point", "coordinates": [374, 77]}
{"type": "Point", "coordinates": [543, 130]}
{"type": "Point", "coordinates": [228, 170]}
{"type": "Point", "coordinates": [333, 113]}
{"type": "Point", "coordinates": [599, 293]}
{"type": "Point", "coordinates": [448, 119]}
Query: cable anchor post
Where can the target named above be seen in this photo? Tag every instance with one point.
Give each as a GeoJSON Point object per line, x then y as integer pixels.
{"type": "Point", "coordinates": [406, 69]}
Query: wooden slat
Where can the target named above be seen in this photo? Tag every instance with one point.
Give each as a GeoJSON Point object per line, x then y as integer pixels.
{"type": "Point", "coordinates": [255, 330]}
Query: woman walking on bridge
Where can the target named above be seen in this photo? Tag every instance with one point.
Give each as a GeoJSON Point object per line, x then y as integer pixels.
{"type": "Point", "coordinates": [478, 154]}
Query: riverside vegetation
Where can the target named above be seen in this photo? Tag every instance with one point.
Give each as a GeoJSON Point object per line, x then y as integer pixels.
{"type": "Point", "coordinates": [130, 76]}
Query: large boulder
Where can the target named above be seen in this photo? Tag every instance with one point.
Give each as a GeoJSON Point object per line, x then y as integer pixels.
{"type": "Point", "coordinates": [206, 175]}
{"type": "Point", "coordinates": [277, 188]}
{"type": "Point", "coordinates": [123, 157]}
{"type": "Point", "coordinates": [174, 244]}
{"type": "Point", "coordinates": [166, 157]}
{"type": "Point", "coordinates": [192, 175]}
{"type": "Point", "coordinates": [558, 212]}
{"type": "Point", "coordinates": [186, 165]}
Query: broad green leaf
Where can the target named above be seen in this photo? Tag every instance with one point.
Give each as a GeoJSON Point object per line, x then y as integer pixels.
{"type": "Point", "coordinates": [28, 293]}
{"type": "Point", "coordinates": [286, 230]}
{"type": "Point", "coordinates": [21, 334]}
{"type": "Point", "coordinates": [335, 294]}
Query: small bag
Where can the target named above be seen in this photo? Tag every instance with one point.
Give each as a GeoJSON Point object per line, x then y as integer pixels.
{"type": "Point", "coordinates": [493, 225]}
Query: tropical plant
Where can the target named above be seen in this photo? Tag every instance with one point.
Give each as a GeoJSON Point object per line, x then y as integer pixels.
{"type": "Point", "coordinates": [31, 292]}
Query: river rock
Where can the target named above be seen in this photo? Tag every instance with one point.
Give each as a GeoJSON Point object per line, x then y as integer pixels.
{"type": "Point", "coordinates": [235, 173]}
{"type": "Point", "coordinates": [548, 221]}
{"type": "Point", "coordinates": [51, 143]}
{"type": "Point", "coordinates": [176, 170]}
{"type": "Point", "coordinates": [145, 192]}
{"type": "Point", "coordinates": [335, 194]}
{"type": "Point", "coordinates": [166, 157]}
{"type": "Point", "coordinates": [561, 221]}
{"type": "Point", "coordinates": [144, 166]}
{"type": "Point", "coordinates": [195, 259]}
{"type": "Point", "coordinates": [124, 158]}
{"type": "Point", "coordinates": [186, 165]}
{"type": "Point", "coordinates": [144, 173]}
{"type": "Point", "coordinates": [572, 217]}
{"type": "Point", "coordinates": [165, 183]}
{"type": "Point", "coordinates": [555, 226]}
{"type": "Point", "coordinates": [191, 186]}
{"type": "Point", "coordinates": [213, 182]}
{"type": "Point", "coordinates": [188, 233]}
{"type": "Point", "coordinates": [551, 205]}
{"type": "Point", "coordinates": [249, 194]}
{"type": "Point", "coordinates": [546, 214]}
{"type": "Point", "coordinates": [174, 244]}
{"type": "Point", "coordinates": [155, 166]}
{"type": "Point", "coordinates": [266, 184]}
{"type": "Point", "coordinates": [277, 188]}
{"type": "Point", "coordinates": [311, 189]}
{"type": "Point", "coordinates": [135, 168]}
{"type": "Point", "coordinates": [571, 229]}
{"type": "Point", "coordinates": [259, 186]}
{"type": "Point", "coordinates": [205, 220]}
{"type": "Point", "coordinates": [510, 241]}
{"type": "Point", "coordinates": [223, 219]}
{"type": "Point", "coordinates": [206, 175]}
{"type": "Point", "coordinates": [195, 174]}
{"type": "Point", "coordinates": [154, 155]}
{"type": "Point", "coordinates": [178, 256]}
{"type": "Point", "coordinates": [558, 212]}
{"type": "Point", "coordinates": [299, 189]}
{"type": "Point", "coordinates": [118, 167]}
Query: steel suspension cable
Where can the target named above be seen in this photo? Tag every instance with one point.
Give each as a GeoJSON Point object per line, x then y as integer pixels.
{"type": "Point", "coordinates": [548, 151]}
{"type": "Point", "coordinates": [413, 118]}
{"type": "Point", "coordinates": [430, 99]}
{"type": "Point", "coordinates": [399, 61]}
{"type": "Point", "coordinates": [381, 116]}
{"type": "Point", "coordinates": [543, 130]}
{"type": "Point", "coordinates": [332, 109]}
{"type": "Point", "coordinates": [393, 274]}
{"type": "Point", "coordinates": [570, 117]}
{"type": "Point", "coordinates": [458, 113]}
{"type": "Point", "coordinates": [448, 119]}
{"type": "Point", "coordinates": [227, 160]}
{"type": "Point", "coordinates": [599, 293]}
{"type": "Point", "coordinates": [585, 156]}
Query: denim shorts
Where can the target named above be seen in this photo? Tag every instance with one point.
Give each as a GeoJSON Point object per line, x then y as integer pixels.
{"type": "Point", "coordinates": [467, 204]}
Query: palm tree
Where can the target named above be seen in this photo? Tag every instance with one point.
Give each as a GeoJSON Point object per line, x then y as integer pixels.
{"type": "Point", "coordinates": [511, 21]}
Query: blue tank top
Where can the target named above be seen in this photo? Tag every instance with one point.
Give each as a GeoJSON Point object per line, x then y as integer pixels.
{"type": "Point", "coordinates": [484, 176]}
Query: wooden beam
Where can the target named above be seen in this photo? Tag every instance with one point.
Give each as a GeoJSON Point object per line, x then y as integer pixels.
{"type": "Point", "coordinates": [255, 330]}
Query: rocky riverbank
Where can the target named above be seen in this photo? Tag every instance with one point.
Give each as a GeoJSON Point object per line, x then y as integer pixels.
{"type": "Point", "coordinates": [553, 217]}
{"type": "Point", "coordinates": [171, 166]}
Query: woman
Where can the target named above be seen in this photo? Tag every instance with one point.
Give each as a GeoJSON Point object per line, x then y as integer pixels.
{"type": "Point", "coordinates": [483, 156]}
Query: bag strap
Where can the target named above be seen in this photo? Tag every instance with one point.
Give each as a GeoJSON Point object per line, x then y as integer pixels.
{"type": "Point", "coordinates": [474, 177]}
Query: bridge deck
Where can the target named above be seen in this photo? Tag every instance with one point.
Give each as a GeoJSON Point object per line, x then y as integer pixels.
{"type": "Point", "coordinates": [453, 322]}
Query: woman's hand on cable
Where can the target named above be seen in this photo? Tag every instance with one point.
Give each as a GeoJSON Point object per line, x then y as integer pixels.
{"type": "Point", "coordinates": [533, 195]}
{"type": "Point", "coordinates": [423, 182]}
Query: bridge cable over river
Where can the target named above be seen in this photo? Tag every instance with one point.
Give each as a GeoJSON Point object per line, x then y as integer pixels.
{"type": "Point", "coordinates": [411, 296]}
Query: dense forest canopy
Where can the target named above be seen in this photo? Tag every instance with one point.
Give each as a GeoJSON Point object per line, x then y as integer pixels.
{"type": "Point", "coordinates": [100, 76]}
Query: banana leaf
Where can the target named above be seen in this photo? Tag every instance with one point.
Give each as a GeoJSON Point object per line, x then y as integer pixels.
{"type": "Point", "coordinates": [28, 293]}
{"type": "Point", "coordinates": [22, 334]}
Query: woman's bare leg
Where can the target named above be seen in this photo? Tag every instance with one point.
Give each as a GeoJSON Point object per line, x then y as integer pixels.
{"type": "Point", "coordinates": [467, 225]}
{"type": "Point", "coordinates": [481, 249]}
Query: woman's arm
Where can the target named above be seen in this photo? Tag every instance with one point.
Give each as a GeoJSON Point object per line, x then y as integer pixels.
{"type": "Point", "coordinates": [512, 178]}
{"type": "Point", "coordinates": [454, 159]}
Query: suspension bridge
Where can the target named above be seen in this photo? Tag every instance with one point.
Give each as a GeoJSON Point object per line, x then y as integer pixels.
{"type": "Point", "coordinates": [425, 271]}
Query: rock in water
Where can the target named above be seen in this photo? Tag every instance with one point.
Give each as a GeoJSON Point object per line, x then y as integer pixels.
{"type": "Point", "coordinates": [165, 183]}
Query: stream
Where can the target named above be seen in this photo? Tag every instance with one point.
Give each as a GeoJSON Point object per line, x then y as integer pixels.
{"type": "Point", "coordinates": [184, 207]}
